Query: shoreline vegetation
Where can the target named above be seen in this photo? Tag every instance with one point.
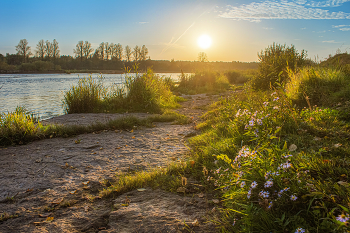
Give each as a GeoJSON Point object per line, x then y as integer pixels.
{"type": "Point", "coordinates": [275, 154]}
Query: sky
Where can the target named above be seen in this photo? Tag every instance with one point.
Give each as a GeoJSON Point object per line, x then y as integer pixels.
{"type": "Point", "coordinates": [239, 29]}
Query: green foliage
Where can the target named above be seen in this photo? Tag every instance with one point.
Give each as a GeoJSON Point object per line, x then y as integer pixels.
{"type": "Point", "coordinates": [279, 169]}
{"type": "Point", "coordinates": [18, 127]}
{"type": "Point", "coordinates": [274, 61]}
{"type": "Point", "coordinates": [146, 93]}
{"type": "Point", "coordinates": [239, 77]}
{"type": "Point", "coordinates": [202, 82]}
{"type": "Point", "coordinates": [318, 86]}
{"type": "Point", "coordinates": [85, 97]}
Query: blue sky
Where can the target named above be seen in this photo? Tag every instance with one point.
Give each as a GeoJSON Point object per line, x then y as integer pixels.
{"type": "Point", "coordinates": [169, 29]}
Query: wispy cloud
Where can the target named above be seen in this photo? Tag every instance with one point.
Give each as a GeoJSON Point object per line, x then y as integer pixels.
{"type": "Point", "coordinates": [342, 27]}
{"type": "Point", "coordinates": [303, 28]}
{"type": "Point", "coordinates": [331, 42]}
{"type": "Point", "coordinates": [284, 9]}
{"type": "Point", "coordinates": [267, 28]}
{"type": "Point", "coordinates": [143, 22]}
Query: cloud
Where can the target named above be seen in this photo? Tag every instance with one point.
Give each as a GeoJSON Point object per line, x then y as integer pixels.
{"type": "Point", "coordinates": [342, 27]}
{"type": "Point", "coordinates": [284, 9]}
{"type": "Point", "coordinates": [331, 42]}
{"type": "Point", "coordinates": [143, 22]}
{"type": "Point", "coordinates": [303, 28]}
{"type": "Point", "coordinates": [329, 3]}
{"type": "Point", "coordinates": [267, 28]}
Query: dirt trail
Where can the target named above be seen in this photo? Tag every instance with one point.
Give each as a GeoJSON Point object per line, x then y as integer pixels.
{"type": "Point", "coordinates": [61, 178]}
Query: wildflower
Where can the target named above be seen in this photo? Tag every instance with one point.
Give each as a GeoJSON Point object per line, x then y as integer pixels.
{"type": "Point", "coordinates": [280, 193]}
{"type": "Point", "coordinates": [343, 217]}
{"type": "Point", "coordinates": [270, 205]}
{"type": "Point", "coordinates": [268, 184]}
{"type": "Point", "coordinates": [226, 170]}
{"type": "Point", "coordinates": [286, 189]}
{"type": "Point", "coordinates": [267, 175]}
{"type": "Point", "coordinates": [249, 194]}
{"type": "Point", "coordinates": [274, 93]}
{"type": "Point", "coordinates": [218, 170]}
{"type": "Point", "coordinates": [234, 221]}
{"type": "Point", "coordinates": [337, 145]}
{"type": "Point", "coordinates": [265, 104]}
{"type": "Point", "coordinates": [254, 184]}
{"type": "Point", "coordinates": [251, 123]}
{"type": "Point", "coordinates": [276, 98]}
{"type": "Point", "coordinates": [259, 122]}
{"type": "Point", "coordinates": [242, 184]}
{"type": "Point", "coordinates": [276, 107]}
{"type": "Point", "coordinates": [293, 197]}
{"type": "Point", "coordinates": [292, 147]}
{"type": "Point", "coordinates": [264, 194]}
{"type": "Point", "coordinates": [208, 178]}
{"type": "Point", "coordinates": [287, 156]}
{"type": "Point", "coordinates": [299, 230]}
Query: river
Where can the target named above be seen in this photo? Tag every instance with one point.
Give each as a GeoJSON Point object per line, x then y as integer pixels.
{"type": "Point", "coordinates": [42, 94]}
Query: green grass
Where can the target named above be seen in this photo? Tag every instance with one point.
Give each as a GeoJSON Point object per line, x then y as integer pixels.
{"type": "Point", "coordinates": [20, 127]}
{"type": "Point", "coordinates": [144, 93]}
{"type": "Point", "coordinates": [203, 82]}
{"type": "Point", "coordinates": [258, 142]}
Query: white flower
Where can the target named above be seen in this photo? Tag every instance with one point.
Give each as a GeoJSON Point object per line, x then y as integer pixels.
{"type": "Point", "coordinates": [254, 184]}
{"type": "Point", "coordinates": [299, 230]}
{"type": "Point", "coordinates": [293, 197]}
{"type": "Point", "coordinates": [242, 184]}
{"type": "Point", "coordinates": [264, 194]}
{"type": "Point", "coordinates": [343, 218]}
{"type": "Point", "coordinates": [268, 184]}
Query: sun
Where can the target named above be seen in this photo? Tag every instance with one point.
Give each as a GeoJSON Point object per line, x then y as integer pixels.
{"type": "Point", "coordinates": [204, 41]}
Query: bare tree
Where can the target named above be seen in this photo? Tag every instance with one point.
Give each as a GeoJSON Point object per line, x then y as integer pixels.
{"type": "Point", "coordinates": [202, 57]}
{"type": "Point", "coordinates": [55, 49]}
{"type": "Point", "coordinates": [127, 53]}
{"type": "Point", "coordinates": [102, 50]}
{"type": "Point", "coordinates": [48, 49]}
{"type": "Point", "coordinates": [23, 49]}
{"type": "Point", "coordinates": [40, 49]}
{"type": "Point", "coordinates": [118, 48]}
{"type": "Point", "coordinates": [79, 50]}
{"type": "Point", "coordinates": [87, 50]}
{"type": "Point", "coordinates": [144, 53]}
{"type": "Point", "coordinates": [108, 50]}
{"type": "Point", "coordinates": [137, 53]}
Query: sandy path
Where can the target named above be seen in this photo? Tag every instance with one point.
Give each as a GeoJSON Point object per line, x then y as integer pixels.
{"type": "Point", "coordinates": [44, 173]}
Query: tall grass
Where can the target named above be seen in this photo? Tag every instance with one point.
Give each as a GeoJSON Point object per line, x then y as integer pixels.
{"type": "Point", "coordinates": [18, 127]}
{"type": "Point", "coordinates": [146, 93]}
{"type": "Point", "coordinates": [318, 86]}
{"type": "Point", "coordinates": [203, 82]}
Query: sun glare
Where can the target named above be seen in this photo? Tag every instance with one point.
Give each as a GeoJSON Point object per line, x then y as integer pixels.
{"type": "Point", "coordinates": [204, 41]}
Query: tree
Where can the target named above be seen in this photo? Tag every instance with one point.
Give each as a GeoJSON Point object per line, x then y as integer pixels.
{"type": "Point", "coordinates": [109, 50]}
{"type": "Point", "coordinates": [118, 48]}
{"type": "Point", "coordinates": [275, 60]}
{"type": "Point", "coordinates": [202, 57]}
{"type": "Point", "coordinates": [144, 53]}
{"type": "Point", "coordinates": [79, 50]}
{"type": "Point", "coordinates": [40, 49]}
{"type": "Point", "coordinates": [102, 50]}
{"type": "Point", "coordinates": [127, 53]}
{"type": "Point", "coordinates": [23, 49]}
{"type": "Point", "coordinates": [48, 49]}
{"type": "Point", "coordinates": [137, 53]}
{"type": "Point", "coordinates": [87, 50]}
{"type": "Point", "coordinates": [55, 49]}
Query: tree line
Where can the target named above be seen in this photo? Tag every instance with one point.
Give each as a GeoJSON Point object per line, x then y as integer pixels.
{"type": "Point", "coordinates": [107, 56]}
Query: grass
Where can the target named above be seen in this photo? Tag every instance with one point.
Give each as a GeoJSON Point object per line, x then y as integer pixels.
{"type": "Point", "coordinates": [279, 169]}
{"type": "Point", "coordinates": [20, 127]}
{"type": "Point", "coordinates": [144, 93]}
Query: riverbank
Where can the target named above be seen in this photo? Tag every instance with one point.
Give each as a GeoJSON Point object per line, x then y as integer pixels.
{"type": "Point", "coordinates": [54, 185]}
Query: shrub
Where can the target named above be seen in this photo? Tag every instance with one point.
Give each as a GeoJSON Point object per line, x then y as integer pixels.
{"type": "Point", "coordinates": [274, 61]}
{"type": "Point", "coordinates": [18, 127]}
{"type": "Point", "coordinates": [85, 97]}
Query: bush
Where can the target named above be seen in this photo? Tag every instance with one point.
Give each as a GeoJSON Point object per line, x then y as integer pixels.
{"type": "Point", "coordinates": [18, 127]}
{"type": "Point", "coordinates": [202, 82]}
{"type": "Point", "coordinates": [317, 86]}
{"type": "Point", "coordinates": [274, 62]}
{"type": "Point", "coordinates": [85, 97]}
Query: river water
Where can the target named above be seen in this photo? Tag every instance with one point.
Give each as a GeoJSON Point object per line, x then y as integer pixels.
{"type": "Point", "coordinates": [42, 94]}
